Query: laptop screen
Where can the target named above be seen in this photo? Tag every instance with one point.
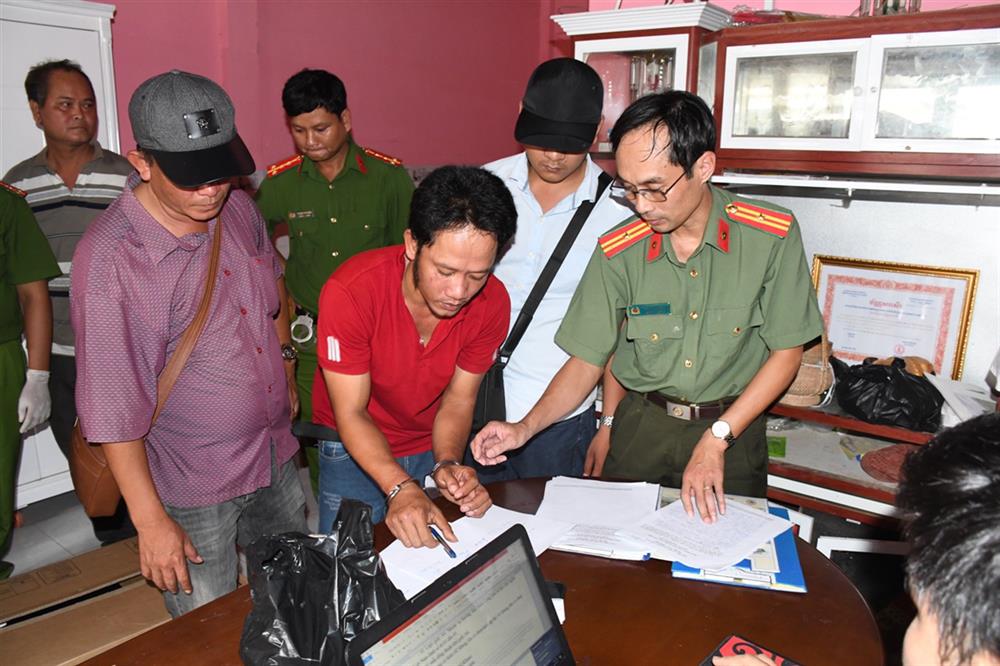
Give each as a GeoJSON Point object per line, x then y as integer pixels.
{"type": "Point", "coordinates": [495, 615]}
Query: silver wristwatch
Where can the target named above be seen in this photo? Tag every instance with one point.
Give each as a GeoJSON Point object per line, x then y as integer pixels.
{"type": "Point", "coordinates": [723, 431]}
{"type": "Point", "coordinates": [607, 421]}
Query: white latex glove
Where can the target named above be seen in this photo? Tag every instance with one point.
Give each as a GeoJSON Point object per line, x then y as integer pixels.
{"type": "Point", "coordinates": [34, 405]}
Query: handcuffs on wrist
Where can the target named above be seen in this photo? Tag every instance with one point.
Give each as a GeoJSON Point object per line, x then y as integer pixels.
{"type": "Point", "coordinates": [442, 463]}
{"type": "Point", "coordinates": [396, 488]}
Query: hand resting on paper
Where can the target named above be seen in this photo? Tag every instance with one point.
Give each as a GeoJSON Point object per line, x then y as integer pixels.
{"type": "Point", "coordinates": [703, 478]}
{"type": "Point", "coordinates": [408, 515]}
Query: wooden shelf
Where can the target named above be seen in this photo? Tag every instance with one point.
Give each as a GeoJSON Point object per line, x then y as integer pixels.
{"type": "Point", "coordinates": [833, 417]}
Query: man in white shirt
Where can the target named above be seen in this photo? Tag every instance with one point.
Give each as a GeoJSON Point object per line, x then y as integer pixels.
{"type": "Point", "coordinates": [559, 118]}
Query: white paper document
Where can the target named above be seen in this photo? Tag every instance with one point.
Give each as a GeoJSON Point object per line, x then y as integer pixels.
{"type": "Point", "coordinates": [604, 503]}
{"type": "Point", "coordinates": [601, 541]}
{"type": "Point", "coordinates": [413, 569]}
{"type": "Point", "coordinates": [670, 534]}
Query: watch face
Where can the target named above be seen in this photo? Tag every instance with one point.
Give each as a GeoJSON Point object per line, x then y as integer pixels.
{"type": "Point", "coordinates": [721, 429]}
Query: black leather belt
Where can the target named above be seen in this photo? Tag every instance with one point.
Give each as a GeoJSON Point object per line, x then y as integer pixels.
{"type": "Point", "coordinates": [689, 411]}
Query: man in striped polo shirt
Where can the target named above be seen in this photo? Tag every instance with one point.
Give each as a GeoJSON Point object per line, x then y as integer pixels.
{"type": "Point", "coordinates": [67, 184]}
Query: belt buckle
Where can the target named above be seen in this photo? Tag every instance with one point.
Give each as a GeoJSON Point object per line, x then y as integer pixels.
{"type": "Point", "coordinates": [679, 411]}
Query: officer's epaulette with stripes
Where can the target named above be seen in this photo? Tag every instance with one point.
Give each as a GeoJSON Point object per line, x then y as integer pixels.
{"type": "Point", "coordinates": [624, 237]}
{"type": "Point", "coordinates": [284, 165]}
{"type": "Point", "coordinates": [760, 217]}
{"type": "Point", "coordinates": [11, 188]}
{"type": "Point", "coordinates": [388, 159]}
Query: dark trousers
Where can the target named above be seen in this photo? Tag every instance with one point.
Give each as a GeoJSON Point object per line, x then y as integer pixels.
{"type": "Point", "coordinates": [62, 388]}
{"type": "Point", "coordinates": [560, 449]}
{"type": "Point", "coordinates": [648, 444]}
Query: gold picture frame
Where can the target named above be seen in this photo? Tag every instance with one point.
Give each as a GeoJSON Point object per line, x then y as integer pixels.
{"type": "Point", "coordinates": [881, 308]}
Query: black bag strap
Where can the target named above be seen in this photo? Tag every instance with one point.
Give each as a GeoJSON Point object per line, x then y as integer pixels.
{"type": "Point", "coordinates": [550, 270]}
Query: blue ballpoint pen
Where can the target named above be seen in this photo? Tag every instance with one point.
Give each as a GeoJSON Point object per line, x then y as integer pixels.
{"type": "Point", "coordinates": [440, 539]}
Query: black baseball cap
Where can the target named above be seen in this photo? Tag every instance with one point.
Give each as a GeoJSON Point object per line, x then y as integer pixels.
{"type": "Point", "coordinates": [188, 124]}
{"type": "Point", "coordinates": [562, 106]}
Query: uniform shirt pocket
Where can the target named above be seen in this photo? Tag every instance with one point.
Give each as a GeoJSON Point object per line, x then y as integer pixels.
{"type": "Point", "coordinates": [651, 335]}
{"type": "Point", "coordinates": [734, 322]}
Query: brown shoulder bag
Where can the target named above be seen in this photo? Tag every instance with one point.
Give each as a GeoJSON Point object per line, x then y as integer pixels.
{"type": "Point", "coordinates": [95, 486]}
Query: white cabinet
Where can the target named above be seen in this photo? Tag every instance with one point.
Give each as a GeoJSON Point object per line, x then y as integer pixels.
{"type": "Point", "coordinates": [911, 96]}
{"type": "Point", "coordinates": [922, 92]}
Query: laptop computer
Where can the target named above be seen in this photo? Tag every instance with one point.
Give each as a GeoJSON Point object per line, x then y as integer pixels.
{"type": "Point", "coordinates": [492, 609]}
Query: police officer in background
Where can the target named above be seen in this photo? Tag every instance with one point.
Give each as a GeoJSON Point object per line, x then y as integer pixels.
{"type": "Point", "coordinates": [26, 265]}
{"type": "Point", "coordinates": [335, 199]}
{"type": "Point", "coordinates": [704, 300]}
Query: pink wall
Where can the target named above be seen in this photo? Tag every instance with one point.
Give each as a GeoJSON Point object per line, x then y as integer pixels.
{"type": "Point", "coordinates": [826, 7]}
{"type": "Point", "coordinates": [429, 82]}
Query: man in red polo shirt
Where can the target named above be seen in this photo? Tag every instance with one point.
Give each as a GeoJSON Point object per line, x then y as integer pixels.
{"type": "Point", "coordinates": [405, 335]}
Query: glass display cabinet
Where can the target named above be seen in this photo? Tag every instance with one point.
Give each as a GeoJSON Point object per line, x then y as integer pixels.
{"type": "Point", "coordinates": [912, 95]}
{"type": "Point", "coordinates": [631, 61]}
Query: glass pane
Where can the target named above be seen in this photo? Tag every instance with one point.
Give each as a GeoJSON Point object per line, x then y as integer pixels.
{"type": "Point", "coordinates": [707, 55]}
{"type": "Point", "coordinates": [628, 76]}
{"type": "Point", "coordinates": [802, 96]}
{"type": "Point", "coordinates": [940, 92]}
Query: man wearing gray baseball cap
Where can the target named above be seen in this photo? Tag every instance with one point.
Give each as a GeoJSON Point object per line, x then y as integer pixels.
{"type": "Point", "coordinates": [212, 466]}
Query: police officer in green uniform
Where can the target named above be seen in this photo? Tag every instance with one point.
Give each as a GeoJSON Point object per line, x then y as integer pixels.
{"type": "Point", "coordinates": [335, 199]}
{"type": "Point", "coordinates": [26, 265]}
{"type": "Point", "coordinates": [704, 300]}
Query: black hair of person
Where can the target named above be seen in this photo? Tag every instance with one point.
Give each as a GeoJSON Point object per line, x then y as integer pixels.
{"type": "Point", "coordinates": [36, 83]}
{"type": "Point", "coordinates": [951, 494]}
{"type": "Point", "coordinates": [312, 89]}
{"type": "Point", "coordinates": [453, 197]}
{"type": "Point", "coordinates": [687, 118]}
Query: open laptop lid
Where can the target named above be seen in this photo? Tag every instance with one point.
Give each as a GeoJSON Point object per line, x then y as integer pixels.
{"type": "Point", "coordinates": [492, 609]}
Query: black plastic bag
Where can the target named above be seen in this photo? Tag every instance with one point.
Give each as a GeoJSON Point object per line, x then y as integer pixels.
{"type": "Point", "coordinates": [312, 595]}
{"type": "Point", "coordinates": [887, 394]}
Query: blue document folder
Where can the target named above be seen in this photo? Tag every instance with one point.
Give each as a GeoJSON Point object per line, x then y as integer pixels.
{"type": "Point", "coordinates": [783, 573]}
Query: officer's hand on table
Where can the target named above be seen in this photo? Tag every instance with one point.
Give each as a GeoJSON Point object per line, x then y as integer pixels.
{"type": "Point", "coordinates": [702, 480]}
{"type": "Point", "coordinates": [460, 485]}
{"type": "Point", "coordinates": [743, 660]}
{"type": "Point", "coordinates": [597, 452]}
{"type": "Point", "coordinates": [409, 514]}
{"type": "Point", "coordinates": [164, 551]}
{"type": "Point", "coordinates": [495, 438]}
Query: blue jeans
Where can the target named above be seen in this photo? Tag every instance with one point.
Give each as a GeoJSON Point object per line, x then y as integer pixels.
{"type": "Point", "coordinates": [560, 449]}
{"type": "Point", "coordinates": [216, 530]}
{"type": "Point", "coordinates": [340, 476]}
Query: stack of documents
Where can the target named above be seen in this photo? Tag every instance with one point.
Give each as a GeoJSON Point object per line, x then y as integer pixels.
{"type": "Point", "coordinates": [631, 521]}
{"type": "Point", "coordinates": [773, 566]}
{"type": "Point", "coordinates": [598, 510]}
{"type": "Point", "coordinates": [620, 520]}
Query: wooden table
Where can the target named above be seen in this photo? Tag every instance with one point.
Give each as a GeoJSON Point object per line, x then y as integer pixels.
{"type": "Point", "coordinates": [616, 612]}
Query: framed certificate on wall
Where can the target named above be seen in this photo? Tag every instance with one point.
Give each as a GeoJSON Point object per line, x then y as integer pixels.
{"type": "Point", "coordinates": [878, 308]}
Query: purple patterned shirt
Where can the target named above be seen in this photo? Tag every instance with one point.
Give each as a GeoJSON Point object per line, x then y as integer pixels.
{"type": "Point", "coordinates": [135, 289]}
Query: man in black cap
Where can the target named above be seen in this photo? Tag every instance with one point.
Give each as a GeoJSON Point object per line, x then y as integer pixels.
{"type": "Point", "coordinates": [214, 466]}
{"type": "Point", "coordinates": [550, 181]}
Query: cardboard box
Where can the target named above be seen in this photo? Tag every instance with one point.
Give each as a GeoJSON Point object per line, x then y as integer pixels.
{"type": "Point", "coordinates": [75, 609]}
